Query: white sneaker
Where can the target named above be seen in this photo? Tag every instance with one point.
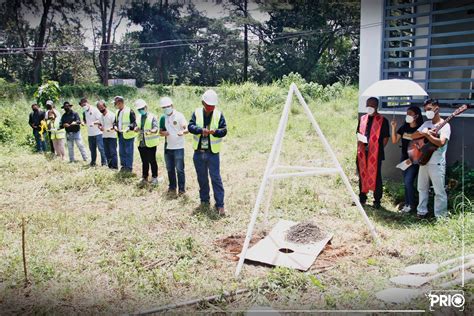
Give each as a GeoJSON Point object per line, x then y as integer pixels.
{"type": "Point", "coordinates": [154, 181]}
{"type": "Point", "coordinates": [406, 209]}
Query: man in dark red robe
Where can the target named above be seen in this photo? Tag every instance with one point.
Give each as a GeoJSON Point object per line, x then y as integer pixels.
{"type": "Point", "coordinates": [373, 134]}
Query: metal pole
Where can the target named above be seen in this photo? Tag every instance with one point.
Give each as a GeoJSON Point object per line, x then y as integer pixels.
{"type": "Point", "coordinates": [336, 162]}
{"type": "Point", "coordinates": [268, 169]}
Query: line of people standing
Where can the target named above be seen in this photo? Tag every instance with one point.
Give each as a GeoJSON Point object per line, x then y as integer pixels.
{"type": "Point", "coordinates": [373, 135]}
{"type": "Point", "coordinates": [106, 129]}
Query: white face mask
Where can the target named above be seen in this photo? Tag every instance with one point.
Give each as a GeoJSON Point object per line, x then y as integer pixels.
{"type": "Point", "coordinates": [370, 110]}
{"type": "Point", "coordinates": [430, 115]}
{"type": "Point", "coordinates": [409, 119]}
{"type": "Point", "coordinates": [168, 111]}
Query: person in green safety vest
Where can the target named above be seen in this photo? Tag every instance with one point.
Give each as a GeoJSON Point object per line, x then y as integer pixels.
{"type": "Point", "coordinates": [125, 123]}
{"type": "Point", "coordinates": [208, 127]}
{"type": "Point", "coordinates": [58, 135]}
{"type": "Point", "coordinates": [148, 137]}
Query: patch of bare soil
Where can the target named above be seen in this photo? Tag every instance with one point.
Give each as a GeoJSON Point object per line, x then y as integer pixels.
{"type": "Point", "coordinates": [305, 233]}
{"type": "Point", "coordinates": [233, 244]}
{"type": "Point", "coordinates": [330, 256]}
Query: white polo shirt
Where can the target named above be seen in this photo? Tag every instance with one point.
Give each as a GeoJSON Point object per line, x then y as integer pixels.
{"type": "Point", "coordinates": [92, 115]}
{"type": "Point", "coordinates": [174, 123]}
{"type": "Point", "coordinates": [107, 122]}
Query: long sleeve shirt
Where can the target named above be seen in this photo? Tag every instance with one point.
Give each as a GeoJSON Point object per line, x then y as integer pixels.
{"type": "Point", "coordinates": [69, 118]}
{"type": "Point", "coordinates": [196, 130]}
{"type": "Point", "coordinates": [35, 119]}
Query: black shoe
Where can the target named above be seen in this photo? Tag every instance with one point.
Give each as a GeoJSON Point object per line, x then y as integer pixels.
{"type": "Point", "coordinates": [419, 216]}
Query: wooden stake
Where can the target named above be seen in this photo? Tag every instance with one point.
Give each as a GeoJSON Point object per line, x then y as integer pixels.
{"type": "Point", "coordinates": [23, 249]}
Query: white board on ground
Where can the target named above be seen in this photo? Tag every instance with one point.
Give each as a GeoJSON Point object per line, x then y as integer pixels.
{"type": "Point", "coordinates": [276, 251]}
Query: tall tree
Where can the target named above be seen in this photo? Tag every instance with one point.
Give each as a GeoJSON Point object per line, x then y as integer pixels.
{"type": "Point", "coordinates": [105, 18]}
{"type": "Point", "coordinates": [298, 34]}
{"type": "Point", "coordinates": [161, 26]}
{"type": "Point", "coordinates": [240, 15]}
{"type": "Point", "coordinates": [34, 40]}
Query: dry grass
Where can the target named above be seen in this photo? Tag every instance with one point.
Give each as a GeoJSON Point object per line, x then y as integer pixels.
{"type": "Point", "coordinates": [98, 243]}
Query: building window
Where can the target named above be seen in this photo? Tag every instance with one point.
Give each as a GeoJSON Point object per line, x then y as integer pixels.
{"type": "Point", "coordinates": [432, 43]}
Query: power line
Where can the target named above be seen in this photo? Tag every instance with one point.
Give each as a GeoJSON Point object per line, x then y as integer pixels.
{"type": "Point", "coordinates": [154, 45]}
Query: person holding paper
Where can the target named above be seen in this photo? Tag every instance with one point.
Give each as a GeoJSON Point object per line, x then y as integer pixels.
{"type": "Point", "coordinates": [91, 117]}
{"type": "Point", "coordinates": [370, 154]}
{"type": "Point", "coordinates": [413, 120]}
{"type": "Point", "coordinates": [173, 126]}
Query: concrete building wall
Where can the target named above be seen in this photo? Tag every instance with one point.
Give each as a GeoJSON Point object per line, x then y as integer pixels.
{"type": "Point", "coordinates": [370, 45]}
{"type": "Point", "coordinates": [462, 128]}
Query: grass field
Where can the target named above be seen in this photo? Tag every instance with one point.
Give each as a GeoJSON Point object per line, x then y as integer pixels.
{"type": "Point", "coordinates": [98, 243]}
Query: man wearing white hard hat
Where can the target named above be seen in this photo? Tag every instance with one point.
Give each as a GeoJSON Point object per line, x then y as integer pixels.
{"type": "Point", "coordinates": [173, 126]}
{"type": "Point", "coordinates": [208, 127]}
{"type": "Point", "coordinates": [125, 123]}
{"type": "Point", "coordinates": [147, 129]}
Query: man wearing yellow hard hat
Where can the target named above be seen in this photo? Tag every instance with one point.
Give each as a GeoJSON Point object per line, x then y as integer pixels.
{"type": "Point", "coordinates": [208, 127]}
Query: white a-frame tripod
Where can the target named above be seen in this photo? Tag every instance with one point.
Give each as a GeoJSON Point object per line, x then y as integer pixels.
{"type": "Point", "coordinates": [272, 166]}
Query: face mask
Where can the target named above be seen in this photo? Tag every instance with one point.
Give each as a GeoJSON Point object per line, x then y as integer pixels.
{"type": "Point", "coordinates": [102, 111]}
{"type": "Point", "coordinates": [409, 119]}
{"type": "Point", "coordinates": [430, 115]}
{"type": "Point", "coordinates": [209, 108]}
{"type": "Point", "coordinates": [370, 110]}
{"type": "Point", "coordinates": [84, 109]}
{"type": "Point", "coordinates": [142, 112]}
{"type": "Point", "coordinates": [168, 111]}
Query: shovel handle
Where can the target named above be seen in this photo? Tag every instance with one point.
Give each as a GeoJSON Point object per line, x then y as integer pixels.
{"type": "Point", "coordinates": [455, 269]}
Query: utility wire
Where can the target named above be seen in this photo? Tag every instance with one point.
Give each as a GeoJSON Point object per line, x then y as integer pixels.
{"type": "Point", "coordinates": [154, 45]}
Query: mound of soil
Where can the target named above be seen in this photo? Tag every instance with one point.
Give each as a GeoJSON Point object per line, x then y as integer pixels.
{"type": "Point", "coordinates": [305, 233]}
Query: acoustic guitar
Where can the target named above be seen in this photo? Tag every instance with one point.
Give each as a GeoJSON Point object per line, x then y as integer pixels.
{"type": "Point", "coordinates": [420, 149]}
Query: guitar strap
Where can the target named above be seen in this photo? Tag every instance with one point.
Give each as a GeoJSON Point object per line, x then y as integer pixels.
{"type": "Point", "coordinates": [368, 162]}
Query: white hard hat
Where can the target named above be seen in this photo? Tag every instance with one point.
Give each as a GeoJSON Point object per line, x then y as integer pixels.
{"type": "Point", "coordinates": [49, 102]}
{"type": "Point", "coordinates": [210, 97]}
{"type": "Point", "coordinates": [165, 101]}
{"type": "Point", "coordinates": [140, 104]}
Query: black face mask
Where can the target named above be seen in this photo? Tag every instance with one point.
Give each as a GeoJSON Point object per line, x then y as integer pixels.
{"type": "Point", "coordinates": [103, 110]}
{"type": "Point", "coordinates": [67, 110]}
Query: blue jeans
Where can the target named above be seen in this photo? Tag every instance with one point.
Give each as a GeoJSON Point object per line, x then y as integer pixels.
{"type": "Point", "coordinates": [110, 149]}
{"type": "Point", "coordinates": [94, 143]}
{"type": "Point", "coordinates": [409, 176]}
{"type": "Point", "coordinates": [436, 173]}
{"type": "Point", "coordinates": [75, 137]}
{"type": "Point", "coordinates": [174, 159]}
{"type": "Point", "coordinates": [208, 164]}
{"type": "Point", "coordinates": [126, 152]}
{"type": "Point", "coordinates": [40, 144]}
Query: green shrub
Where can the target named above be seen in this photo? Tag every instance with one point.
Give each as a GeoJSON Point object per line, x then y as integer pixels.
{"type": "Point", "coordinates": [159, 89]}
{"type": "Point", "coordinates": [96, 90]}
{"type": "Point", "coordinates": [48, 91]}
{"type": "Point", "coordinates": [10, 91]}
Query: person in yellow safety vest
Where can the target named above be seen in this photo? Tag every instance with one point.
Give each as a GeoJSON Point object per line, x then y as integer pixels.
{"type": "Point", "coordinates": [58, 135]}
{"type": "Point", "coordinates": [148, 137]}
{"type": "Point", "coordinates": [125, 123]}
{"type": "Point", "coordinates": [208, 127]}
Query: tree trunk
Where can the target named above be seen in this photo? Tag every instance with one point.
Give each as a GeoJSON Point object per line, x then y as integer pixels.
{"type": "Point", "coordinates": [246, 43]}
{"type": "Point", "coordinates": [39, 42]}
